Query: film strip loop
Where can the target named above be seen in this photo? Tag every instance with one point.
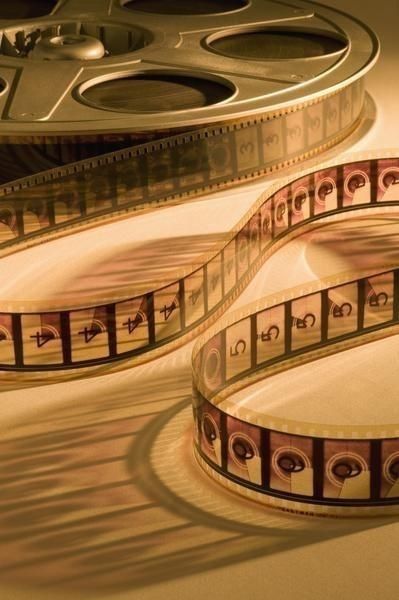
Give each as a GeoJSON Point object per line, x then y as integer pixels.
{"type": "Point", "coordinates": [138, 327]}
{"type": "Point", "coordinates": [314, 473]}
{"type": "Point", "coordinates": [248, 452]}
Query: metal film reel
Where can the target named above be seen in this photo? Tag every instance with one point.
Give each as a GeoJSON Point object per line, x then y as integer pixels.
{"type": "Point", "coordinates": [124, 62]}
{"type": "Point", "coordinates": [134, 70]}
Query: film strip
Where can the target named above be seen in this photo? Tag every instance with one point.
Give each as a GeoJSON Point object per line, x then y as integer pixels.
{"type": "Point", "coordinates": [290, 464]}
{"type": "Point", "coordinates": [174, 169]}
{"type": "Point", "coordinates": [142, 326]}
{"type": "Point", "coordinates": [269, 119]}
{"type": "Point", "coordinates": [300, 466]}
{"type": "Point", "coordinates": [86, 193]}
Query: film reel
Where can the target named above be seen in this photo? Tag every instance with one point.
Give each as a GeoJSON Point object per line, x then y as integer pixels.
{"type": "Point", "coordinates": [125, 72]}
{"type": "Point", "coordinates": [273, 92]}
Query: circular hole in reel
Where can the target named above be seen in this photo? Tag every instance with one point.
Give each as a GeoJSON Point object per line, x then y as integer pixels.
{"type": "Point", "coordinates": [152, 93]}
{"type": "Point", "coordinates": [182, 7]}
{"type": "Point", "coordinates": [275, 44]}
{"type": "Point", "coordinates": [26, 9]}
{"type": "Point", "coordinates": [83, 40]}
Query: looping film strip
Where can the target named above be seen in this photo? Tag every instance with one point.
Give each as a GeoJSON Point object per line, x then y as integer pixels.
{"type": "Point", "coordinates": [132, 328]}
{"type": "Point", "coordinates": [271, 118]}
{"type": "Point", "coordinates": [298, 465]}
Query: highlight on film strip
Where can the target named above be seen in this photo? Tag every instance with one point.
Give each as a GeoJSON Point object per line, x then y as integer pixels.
{"type": "Point", "coordinates": [176, 167]}
{"type": "Point", "coordinates": [134, 327]}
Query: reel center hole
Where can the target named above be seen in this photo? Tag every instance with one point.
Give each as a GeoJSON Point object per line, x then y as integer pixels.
{"type": "Point", "coordinates": [66, 40]}
{"type": "Point", "coordinates": [96, 40]}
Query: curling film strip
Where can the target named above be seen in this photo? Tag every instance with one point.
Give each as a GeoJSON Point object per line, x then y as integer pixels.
{"type": "Point", "coordinates": [289, 461]}
{"type": "Point", "coordinates": [92, 191]}
{"type": "Point", "coordinates": [323, 469]}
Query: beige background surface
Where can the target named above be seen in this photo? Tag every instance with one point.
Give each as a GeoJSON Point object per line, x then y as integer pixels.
{"type": "Point", "coordinates": [100, 495]}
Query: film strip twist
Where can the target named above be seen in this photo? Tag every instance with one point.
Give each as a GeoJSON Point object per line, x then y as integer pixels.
{"type": "Point", "coordinates": [303, 471]}
{"type": "Point", "coordinates": [141, 327]}
{"type": "Point", "coordinates": [294, 465]}
{"type": "Point", "coordinates": [90, 192]}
